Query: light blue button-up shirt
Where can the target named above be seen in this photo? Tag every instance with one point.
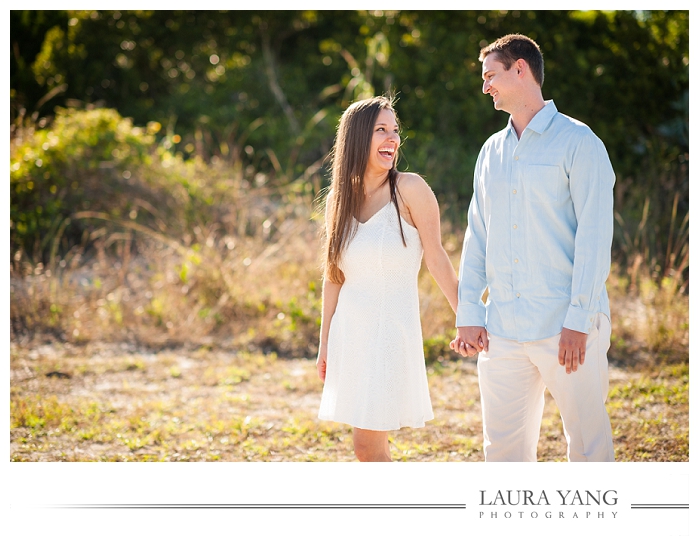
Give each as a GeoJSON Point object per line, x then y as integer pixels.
{"type": "Point", "coordinates": [539, 231]}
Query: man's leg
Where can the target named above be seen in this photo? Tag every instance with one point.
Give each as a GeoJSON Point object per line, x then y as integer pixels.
{"type": "Point", "coordinates": [512, 400]}
{"type": "Point", "coordinates": [580, 396]}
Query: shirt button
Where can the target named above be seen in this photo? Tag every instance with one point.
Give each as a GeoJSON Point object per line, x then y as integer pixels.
{"type": "Point", "coordinates": [516, 158]}
{"type": "Point", "coordinates": [515, 226]}
{"type": "Point", "coordinates": [517, 295]}
{"type": "Point", "coordinates": [514, 191]}
{"type": "Point", "coordinates": [516, 260]}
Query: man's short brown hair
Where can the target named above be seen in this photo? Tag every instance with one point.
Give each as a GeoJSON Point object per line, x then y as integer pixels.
{"type": "Point", "coordinates": [512, 47]}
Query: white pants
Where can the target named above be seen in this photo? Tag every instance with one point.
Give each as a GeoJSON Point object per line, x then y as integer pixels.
{"type": "Point", "coordinates": [513, 376]}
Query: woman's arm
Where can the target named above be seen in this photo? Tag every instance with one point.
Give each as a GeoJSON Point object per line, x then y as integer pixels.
{"type": "Point", "coordinates": [331, 293]}
{"type": "Point", "coordinates": [424, 212]}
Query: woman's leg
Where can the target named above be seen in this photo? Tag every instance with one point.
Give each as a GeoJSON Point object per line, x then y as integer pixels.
{"type": "Point", "coordinates": [371, 446]}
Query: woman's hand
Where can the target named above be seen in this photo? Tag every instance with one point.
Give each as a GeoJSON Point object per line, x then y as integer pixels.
{"type": "Point", "coordinates": [322, 362]}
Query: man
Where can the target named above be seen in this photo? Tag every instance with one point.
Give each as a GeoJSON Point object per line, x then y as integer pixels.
{"type": "Point", "coordinates": [539, 239]}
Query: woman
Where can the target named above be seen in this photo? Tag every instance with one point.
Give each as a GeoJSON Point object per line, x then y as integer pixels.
{"type": "Point", "coordinates": [378, 222]}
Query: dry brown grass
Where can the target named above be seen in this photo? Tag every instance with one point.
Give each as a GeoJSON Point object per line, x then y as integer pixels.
{"type": "Point", "coordinates": [258, 292]}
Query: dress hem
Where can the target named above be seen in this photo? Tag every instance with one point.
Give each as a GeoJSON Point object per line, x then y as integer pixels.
{"type": "Point", "coordinates": [411, 425]}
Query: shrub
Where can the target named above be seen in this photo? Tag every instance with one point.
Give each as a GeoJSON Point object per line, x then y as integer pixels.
{"type": "Point", "coordinates": [85, 160]}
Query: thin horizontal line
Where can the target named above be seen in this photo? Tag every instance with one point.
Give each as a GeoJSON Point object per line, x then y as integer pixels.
{"type": "Point", "coordinates": [257, 506]}
{"type": "Point", "coordinates": [659, 506]}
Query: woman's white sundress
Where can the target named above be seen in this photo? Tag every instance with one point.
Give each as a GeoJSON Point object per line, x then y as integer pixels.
{"type": "Point", "coordinates": [376, 377]}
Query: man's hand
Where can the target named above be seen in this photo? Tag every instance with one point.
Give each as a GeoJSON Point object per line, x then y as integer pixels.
{"type": "Point", "coordinates": [571, 349]}
{"type": "Point", "coordinates": [469, 341]}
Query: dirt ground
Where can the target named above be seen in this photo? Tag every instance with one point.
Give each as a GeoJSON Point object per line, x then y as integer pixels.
{"type": "Point", "coordinates": [117, 403]}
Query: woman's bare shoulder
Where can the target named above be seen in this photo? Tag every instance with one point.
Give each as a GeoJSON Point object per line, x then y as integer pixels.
{"type": "Point", "coordinates": [410, 179]}
{"type": "Point", "coordinates": [413, 185]}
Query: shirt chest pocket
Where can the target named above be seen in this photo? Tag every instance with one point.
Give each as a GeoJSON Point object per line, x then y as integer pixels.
{"type": "Point", "coordinates": [542, 183]}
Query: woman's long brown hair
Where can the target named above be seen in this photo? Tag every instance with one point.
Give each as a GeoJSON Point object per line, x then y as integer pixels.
{"type": "Point", "coordinates": [349, 157]}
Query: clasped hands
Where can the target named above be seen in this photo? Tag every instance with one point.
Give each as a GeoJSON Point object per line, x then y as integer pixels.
{"type": "Point", "coordinates": [571, 348]}
{"type": "Point", "coordinates": [469, 341]}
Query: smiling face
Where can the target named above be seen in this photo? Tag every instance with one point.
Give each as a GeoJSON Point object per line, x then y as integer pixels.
{"type": "Point", "coordinates": [501, 84]}
{"type": "Point", "coordinates": [385, 141]}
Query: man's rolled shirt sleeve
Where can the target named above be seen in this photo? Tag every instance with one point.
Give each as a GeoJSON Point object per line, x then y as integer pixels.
{"type": "Point", "coordinates": [591, 187]}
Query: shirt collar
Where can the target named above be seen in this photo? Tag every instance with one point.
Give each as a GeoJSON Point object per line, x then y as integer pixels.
{"type": "Point", "coordinates": [543, 118]}
{"type": "Point", "coordinates": [540, 121]}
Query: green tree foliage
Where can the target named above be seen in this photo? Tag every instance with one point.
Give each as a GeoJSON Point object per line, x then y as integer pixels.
{"type": "Point", "coordinates": [265, 89]}
{"type": "Point", "coordinates": [28, 30]}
